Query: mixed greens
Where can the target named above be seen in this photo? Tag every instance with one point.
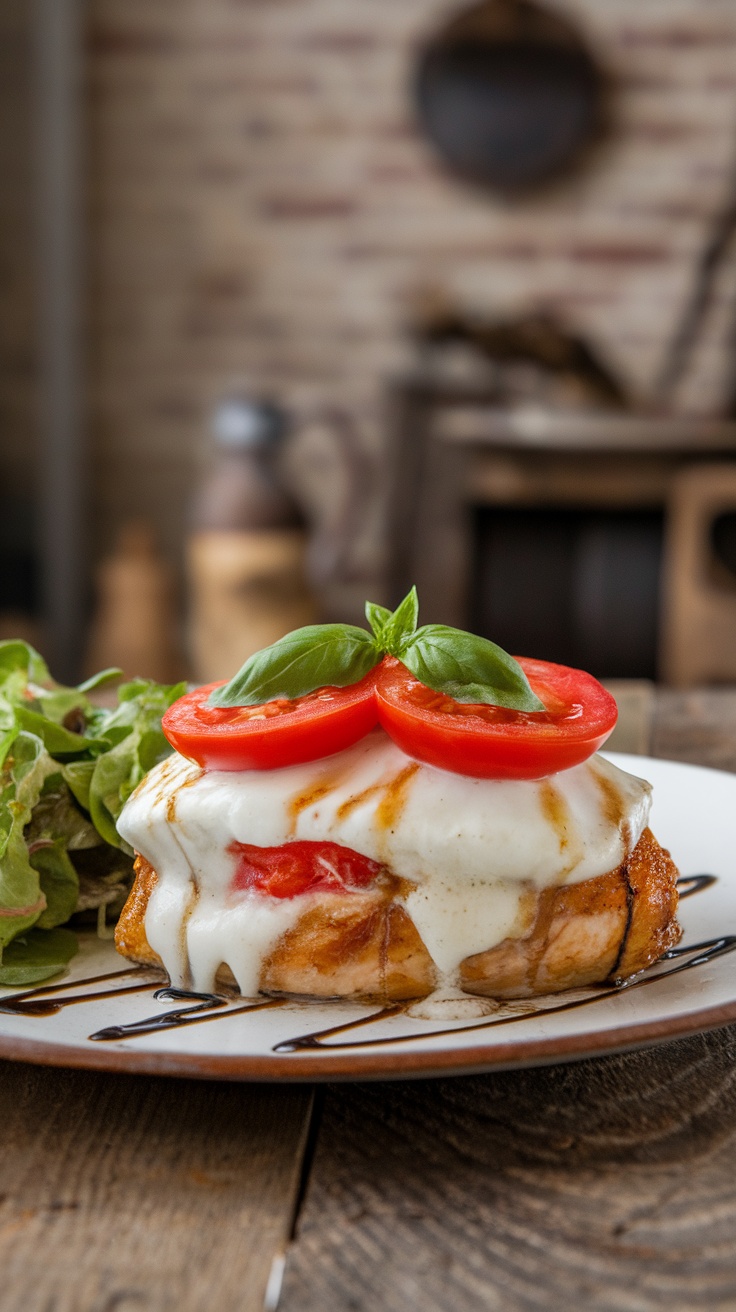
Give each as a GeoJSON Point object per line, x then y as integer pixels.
{"type": "Point", "coordinates": [67, 766]}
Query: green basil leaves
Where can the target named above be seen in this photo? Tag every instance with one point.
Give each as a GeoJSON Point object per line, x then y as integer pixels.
{"type": "Point", "coordinates": [317, 656]}
{"type": "Point", "coordinates": [468, 668]}
{"type": "Point", "coordinates": [462, 665]}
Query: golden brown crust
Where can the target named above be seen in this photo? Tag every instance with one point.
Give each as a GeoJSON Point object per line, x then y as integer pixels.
{"type": "Point", "coordinates": [652, 878]}
{"type": "Point", "coordinates": [348, 946]}
{"type": "Point", "coordinates": [130, 931]}
{"type": "Point", "coordinates": [365, 944]}
{"type": "Point", "coordinates": [609, 927]}
{"type": "Point", "coordinates": [574, 940]}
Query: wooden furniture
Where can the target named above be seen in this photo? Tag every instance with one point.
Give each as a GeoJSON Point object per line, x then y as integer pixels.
{"type": "Point", "coordinates": [453, 448]}
{"type": "Point", "coordinates": [605, 1184]}
{"type": "Point", "coordinates": [135, 622]}
{"type": "Point", "coordinates": [699, 592]}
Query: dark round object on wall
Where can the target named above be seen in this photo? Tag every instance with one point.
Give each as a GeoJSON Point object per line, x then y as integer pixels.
{"type": "Point", "coordinates": [509, 94]}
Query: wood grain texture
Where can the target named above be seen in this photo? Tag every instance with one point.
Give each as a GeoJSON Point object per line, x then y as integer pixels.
{"type": "Point", "coordinates": [143, 1195]}
{"type": "Point", "coordinates": [698, 726]}
{"type": "Point", "coordinates": [635, 699]}
{"type": "Point", "coordinates": [606, 1185]}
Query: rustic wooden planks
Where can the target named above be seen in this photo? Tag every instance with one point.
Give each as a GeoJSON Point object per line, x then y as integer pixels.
{"type": "Point", "coordinates": [636, 702]}
{"type": "Point", "coordinates": [143, 1195]}
{"type": "Point", "coordinates": [697, 726]}
{"type": "Point", "coordinates": [608, 1185]}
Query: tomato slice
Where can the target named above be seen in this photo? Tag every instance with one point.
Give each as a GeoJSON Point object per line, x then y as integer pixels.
{"type": "Point", "coordinates": [489, 742]}
{"type": "Point", "coordinates": [275, 734]}
{"type": "Point", "coordinates": [301, 867]}
{"type": "Point", "coordinates": [485, 742]}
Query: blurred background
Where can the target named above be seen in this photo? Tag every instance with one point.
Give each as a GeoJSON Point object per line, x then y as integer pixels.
{"type": "Point", "coordinates": [302, 301]}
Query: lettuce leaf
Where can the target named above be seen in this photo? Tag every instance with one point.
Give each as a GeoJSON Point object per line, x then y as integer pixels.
{"type": "Point", "coordinates": [25, 769]}
{"type": "Point", "coordinates": [20, 664]}
{"type": "Point", "coordinates": [67, 767]}
{"type": "Point", "coordinates": [78, 777]}
{"type": "Point", "coordinates": [57, 815]}
{"type": "Point", "coordinates": [137, 743]}
{"type": "Point", "coordinates": [37, 955]}
{"type": "Point", "coordinates": [59, 883]}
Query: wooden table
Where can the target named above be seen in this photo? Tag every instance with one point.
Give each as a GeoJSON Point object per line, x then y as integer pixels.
{"type": "Point", "coordinates": [606, 1185]}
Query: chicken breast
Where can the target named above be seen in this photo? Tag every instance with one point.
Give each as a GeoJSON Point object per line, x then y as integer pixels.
{"type": "Point", "coordinates": [503, 888]}
{"type": "Point", "coordinates": [603, 929]}
{"type": "Point", "coordinates": [364, 944]}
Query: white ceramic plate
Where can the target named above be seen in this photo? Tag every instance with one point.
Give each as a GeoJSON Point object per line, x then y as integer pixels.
{"type": "Point", "coordinates": [694, 815]}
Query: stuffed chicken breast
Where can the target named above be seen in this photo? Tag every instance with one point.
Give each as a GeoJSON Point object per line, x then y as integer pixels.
{"type": "Point", "coordinates": [371, 874]}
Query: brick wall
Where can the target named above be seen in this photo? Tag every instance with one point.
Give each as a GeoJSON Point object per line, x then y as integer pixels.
{"type": "Point", "coordinates": [16, 256]}
{"type": "Point", "coordinates": [264, 212]}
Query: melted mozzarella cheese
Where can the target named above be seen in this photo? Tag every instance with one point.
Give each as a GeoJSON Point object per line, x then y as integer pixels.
{"type": "Point", "coordinates": [471, 849]}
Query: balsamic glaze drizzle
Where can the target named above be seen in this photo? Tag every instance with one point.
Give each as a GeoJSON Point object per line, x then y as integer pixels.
{"type": "Point", "coordinates": [204, 1002]}
{"type": "Point", "coordinates": [705, 952]}
{"type": "Point", "coordinates": [37, 1002]}
{"type": "Point", "coordinates": [214, 1006]}
{"type": "Point", "coordinates": [689, 884]}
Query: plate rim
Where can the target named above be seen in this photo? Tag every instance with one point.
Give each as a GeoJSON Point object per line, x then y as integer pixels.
{"type": "Point", "coordinates": [298, 1069]}
{"type": "Point", "coordinates": [302, 1067]}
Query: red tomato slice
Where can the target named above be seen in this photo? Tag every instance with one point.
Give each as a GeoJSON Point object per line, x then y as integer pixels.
{"type": "Point", "coordinates": [301, 867]}
{"type": "Point", "coordinates": [275, 734]}
{"type": "Point", "coordinates": [489, 742]}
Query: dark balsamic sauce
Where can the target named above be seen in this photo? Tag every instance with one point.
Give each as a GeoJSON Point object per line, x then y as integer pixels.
{"type": "Point", "coordinates": [167, 1020]}
{"type": "Point", "coordinates": [314, 1040]}
{"type": "Point", "coordinates": [690, 884]}
{"type": "Point", "coordinates": [705, 952]}
{"type": "Point", "coordinates": [39, 1002]}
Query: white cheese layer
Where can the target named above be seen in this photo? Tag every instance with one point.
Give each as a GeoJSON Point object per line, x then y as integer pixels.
{"type": "Point", "coordinates": [472, 848]}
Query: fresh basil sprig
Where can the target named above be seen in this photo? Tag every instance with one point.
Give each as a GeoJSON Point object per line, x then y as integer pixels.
{"type": "Point", "coordinates": [461, 665]}
{"type": "Point", "coordinates": [468, 668]}
{"type": "Point", "coordinates": [317, 656]}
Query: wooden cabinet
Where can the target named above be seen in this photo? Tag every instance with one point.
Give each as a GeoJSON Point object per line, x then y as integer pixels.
{"type": "Point", "coordinates": [453, 451]}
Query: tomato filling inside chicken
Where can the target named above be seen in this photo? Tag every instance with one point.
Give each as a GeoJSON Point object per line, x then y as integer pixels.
{"type": "Point", "coordinates": [301, 867]}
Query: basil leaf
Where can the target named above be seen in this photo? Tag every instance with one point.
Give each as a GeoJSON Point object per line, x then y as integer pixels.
{"type": "Point", "coordinates": [393, 628]}
{"type": "Point", "coordinates": [317, 656]}
{"type": "Point", "coordinates": [465, 667]}
{"type": "Point", "coordinates": [468, 668]}
{"type": "Point", "coordinates": [399, 628]}
{"type": "Point", "coordinates": [377, 616]}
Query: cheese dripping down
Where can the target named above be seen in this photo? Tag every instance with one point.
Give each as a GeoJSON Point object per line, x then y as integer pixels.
{"type": "Point", "coordinates": [473, 853]}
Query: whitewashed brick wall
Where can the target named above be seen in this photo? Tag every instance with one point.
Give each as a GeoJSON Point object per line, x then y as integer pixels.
{"type": "Point", "coordinates": [264, 210]}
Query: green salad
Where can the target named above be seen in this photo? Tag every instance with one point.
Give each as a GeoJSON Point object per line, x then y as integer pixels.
{"type": "Point", "coordinates": [67, 766]}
